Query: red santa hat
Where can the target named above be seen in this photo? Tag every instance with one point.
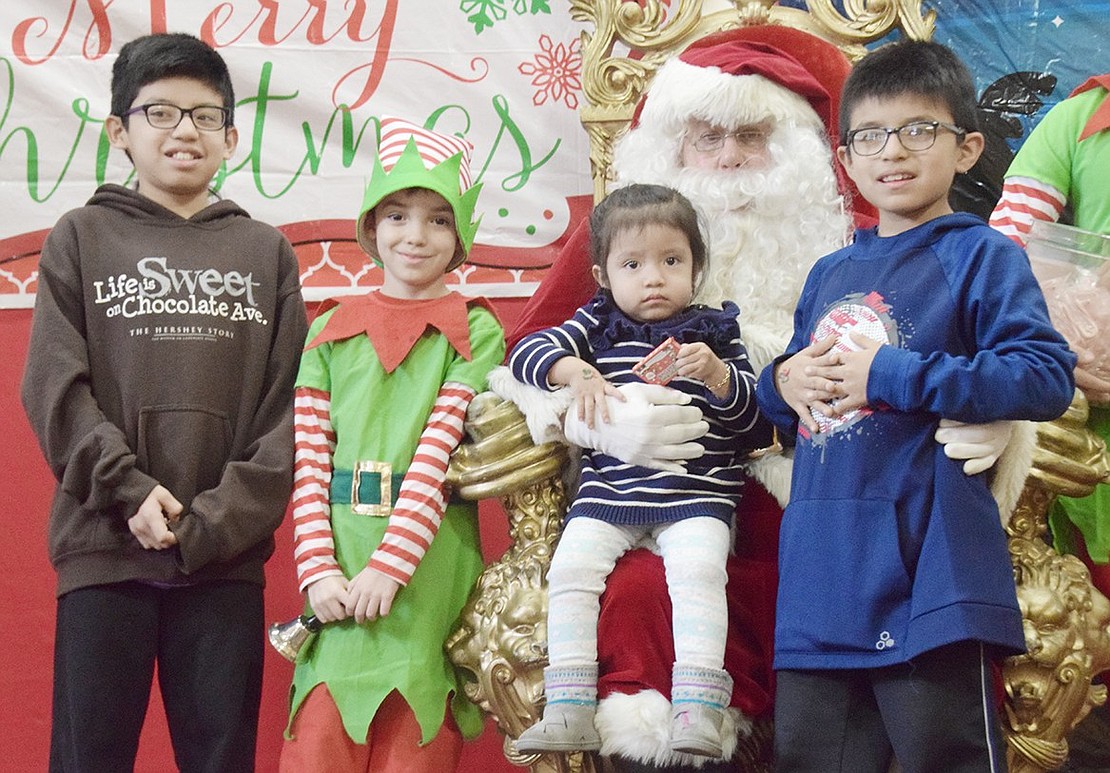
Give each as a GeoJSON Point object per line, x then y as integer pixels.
{"type": "Point", "coordinates": [748, 75]}
{"type": "Point", "coordinates": [702, 82]}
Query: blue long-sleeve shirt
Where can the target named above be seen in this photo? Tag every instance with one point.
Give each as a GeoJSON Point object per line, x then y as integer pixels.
{"type": "Point", "coordinates": [887, 548]}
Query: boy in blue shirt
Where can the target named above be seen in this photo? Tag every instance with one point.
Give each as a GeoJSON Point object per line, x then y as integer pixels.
{"type": "Point", "coordinates": [895, 583]}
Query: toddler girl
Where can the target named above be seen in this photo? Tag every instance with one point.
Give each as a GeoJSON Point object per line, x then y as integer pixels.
{"type": "Point", "coordinates": [648, 256]}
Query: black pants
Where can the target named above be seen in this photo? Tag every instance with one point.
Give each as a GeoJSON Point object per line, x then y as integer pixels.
{"type": "Point", "coordinates": [935, 714]}
{"type": "Point", "coordinates": [207, 640]}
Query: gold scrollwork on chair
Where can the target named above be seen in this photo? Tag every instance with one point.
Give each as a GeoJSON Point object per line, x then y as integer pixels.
{"type": "Point", "coordinates": [501, 639]}
{"type": "Point", "coordinates": [1048, 689]}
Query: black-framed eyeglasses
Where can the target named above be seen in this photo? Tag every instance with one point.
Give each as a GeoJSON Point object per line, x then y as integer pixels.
{"type": "Point", "coordinates": [748, 138]}
{"type": "Point", "coordinates": [916, 136]}
{"type": "Point", "coordinates": [161, 115]}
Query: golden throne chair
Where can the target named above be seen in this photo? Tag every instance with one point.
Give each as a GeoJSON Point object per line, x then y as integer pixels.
{"type": "Point", "coordinates": [500, 640]}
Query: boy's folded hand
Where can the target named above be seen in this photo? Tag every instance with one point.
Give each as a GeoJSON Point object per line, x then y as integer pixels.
{"type": "Point", "coordinates": [328, 598]}
{"type": "Point", "coordinates": [150, 523]}
{"type": "Point", "coordinates": [804, 384]}
{"type": "Point", "coordinates": [370, 595]}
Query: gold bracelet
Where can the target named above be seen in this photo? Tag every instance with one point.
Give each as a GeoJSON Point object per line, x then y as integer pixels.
{"type": "Point", "coordinates": [722, 383]}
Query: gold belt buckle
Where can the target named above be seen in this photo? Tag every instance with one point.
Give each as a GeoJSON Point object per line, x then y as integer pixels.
{"type": "Point", "coordinates": [384, 505]}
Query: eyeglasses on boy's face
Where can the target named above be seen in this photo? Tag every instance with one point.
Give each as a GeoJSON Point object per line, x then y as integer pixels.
{"type": "Point", "coordinates": [916, 136]}
{"type": "Point", "coordinates": [161, 115]}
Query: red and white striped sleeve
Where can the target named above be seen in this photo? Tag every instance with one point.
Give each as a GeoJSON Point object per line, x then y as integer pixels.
{"type": "Point", "coordinates": [1023, 202]}
{"type": "Point", "coordinates": [422, 499]}
{"type": "Point", "coordinates": [314, 444]}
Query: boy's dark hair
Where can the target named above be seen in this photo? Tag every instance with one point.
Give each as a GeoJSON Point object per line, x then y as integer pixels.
{"type": "Point", "coordinates": [168, 55]}
{"type": "Point", "coordinates": [639, 205]}
{"type": "Point", "coordinates": [917, 67]}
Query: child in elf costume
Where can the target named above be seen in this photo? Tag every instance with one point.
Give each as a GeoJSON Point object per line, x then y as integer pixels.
{"type": "Point", "coordinates": [1064, 161]}
{"type": "Point", "coordinates": [382, 553]}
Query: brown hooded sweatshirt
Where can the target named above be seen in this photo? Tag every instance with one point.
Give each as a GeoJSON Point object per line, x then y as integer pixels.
{"type": "Point", "coordinates": [163, 350]}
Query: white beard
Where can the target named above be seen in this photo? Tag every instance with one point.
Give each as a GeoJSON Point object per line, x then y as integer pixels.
{"type": "Point", "coordinates": [765, 229]}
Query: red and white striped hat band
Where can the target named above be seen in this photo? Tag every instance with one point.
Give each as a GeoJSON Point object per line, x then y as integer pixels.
{"type": "Point", "coordinates": [434, 148]}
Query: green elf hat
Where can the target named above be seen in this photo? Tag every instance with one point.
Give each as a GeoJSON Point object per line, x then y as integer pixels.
{"type": "Point", "coordinates": [410, 156]}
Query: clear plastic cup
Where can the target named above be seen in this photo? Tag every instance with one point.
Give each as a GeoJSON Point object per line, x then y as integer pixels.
{"type": "Point", "coordinates": [1073, 269]}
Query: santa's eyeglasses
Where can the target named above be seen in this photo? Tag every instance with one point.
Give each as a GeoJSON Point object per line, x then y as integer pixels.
{"type": "Point", "coordinates": [916, 136]}
{"type": "Point", "coordinates": [749, 138]}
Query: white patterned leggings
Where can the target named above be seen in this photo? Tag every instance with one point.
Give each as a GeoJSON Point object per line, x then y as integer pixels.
{"type": "Point", "coordinates": [694, 552]}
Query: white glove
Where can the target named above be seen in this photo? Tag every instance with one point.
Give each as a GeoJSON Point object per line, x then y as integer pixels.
{"type": "Point", "coordinates": [653, 427]}
{"type": "Point", "coordinates": [979, 444]}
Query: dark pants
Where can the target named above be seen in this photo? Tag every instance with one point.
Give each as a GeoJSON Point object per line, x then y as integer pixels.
{"type": "Point", "coordinates": [936, 714]}
{"type": "Point", "coordinates": [207, 640]}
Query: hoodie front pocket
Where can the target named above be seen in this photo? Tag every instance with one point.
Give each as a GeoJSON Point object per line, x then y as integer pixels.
{"type": "Point", "coordinates": [843, 584]}
{"type": "Point", "coordinates": [183, 447]}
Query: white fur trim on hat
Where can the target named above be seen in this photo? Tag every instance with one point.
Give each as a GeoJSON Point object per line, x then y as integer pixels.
{"type": "Point", "coordinates": [681, 91]}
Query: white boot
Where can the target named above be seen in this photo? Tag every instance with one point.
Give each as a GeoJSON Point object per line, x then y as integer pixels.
{"type": "Point", "coordinates": [567, 724]}
{"type": "Point", "coordinates": [699, 697]}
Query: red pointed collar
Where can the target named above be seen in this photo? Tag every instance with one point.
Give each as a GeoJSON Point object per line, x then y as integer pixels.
{"type": "Point", "coordinates": [1100, 119]}
{"type": "Point", "coordinates": [394, 325]}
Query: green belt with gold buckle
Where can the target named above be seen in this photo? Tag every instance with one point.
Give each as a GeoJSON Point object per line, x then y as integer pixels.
{"type": "Point", "coordinates": [371, 488]}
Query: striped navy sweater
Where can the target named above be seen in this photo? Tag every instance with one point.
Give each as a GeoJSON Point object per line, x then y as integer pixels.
{"type": "Point", "coordinates": [616, 492]}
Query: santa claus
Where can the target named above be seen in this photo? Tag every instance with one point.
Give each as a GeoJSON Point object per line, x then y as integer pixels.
{"type": "Point", "coordinates": [742, 123]}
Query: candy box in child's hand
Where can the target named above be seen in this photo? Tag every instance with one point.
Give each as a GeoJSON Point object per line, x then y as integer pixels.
{"type": "Point", "coordinates": [1073, 269]}
{"type": "Point", "coordinates": [659, 366]}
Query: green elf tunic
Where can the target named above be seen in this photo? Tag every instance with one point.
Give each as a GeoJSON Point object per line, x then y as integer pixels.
{"type": "Point", "coordinates": [383, 361]}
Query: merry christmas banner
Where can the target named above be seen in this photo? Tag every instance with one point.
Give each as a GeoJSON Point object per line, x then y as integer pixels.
{"type": "Point", "coordinates": [311, 79]}
{"type": "Point", "coordinates": [313, 76]}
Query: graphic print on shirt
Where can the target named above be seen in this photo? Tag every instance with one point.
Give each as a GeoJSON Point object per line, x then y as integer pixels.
{"type": "Point", "coordinates": [867, 314]}
{"type": "Point", "coordinates": [172, 303]}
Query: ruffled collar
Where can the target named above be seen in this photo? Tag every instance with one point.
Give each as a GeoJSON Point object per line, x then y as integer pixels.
{"type": "Point", "coordinates": [1100, 119]}
{"type": "Point", "coordinates": [394, 325]}
{"type": "Point", "coordinates": [715, 327]}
